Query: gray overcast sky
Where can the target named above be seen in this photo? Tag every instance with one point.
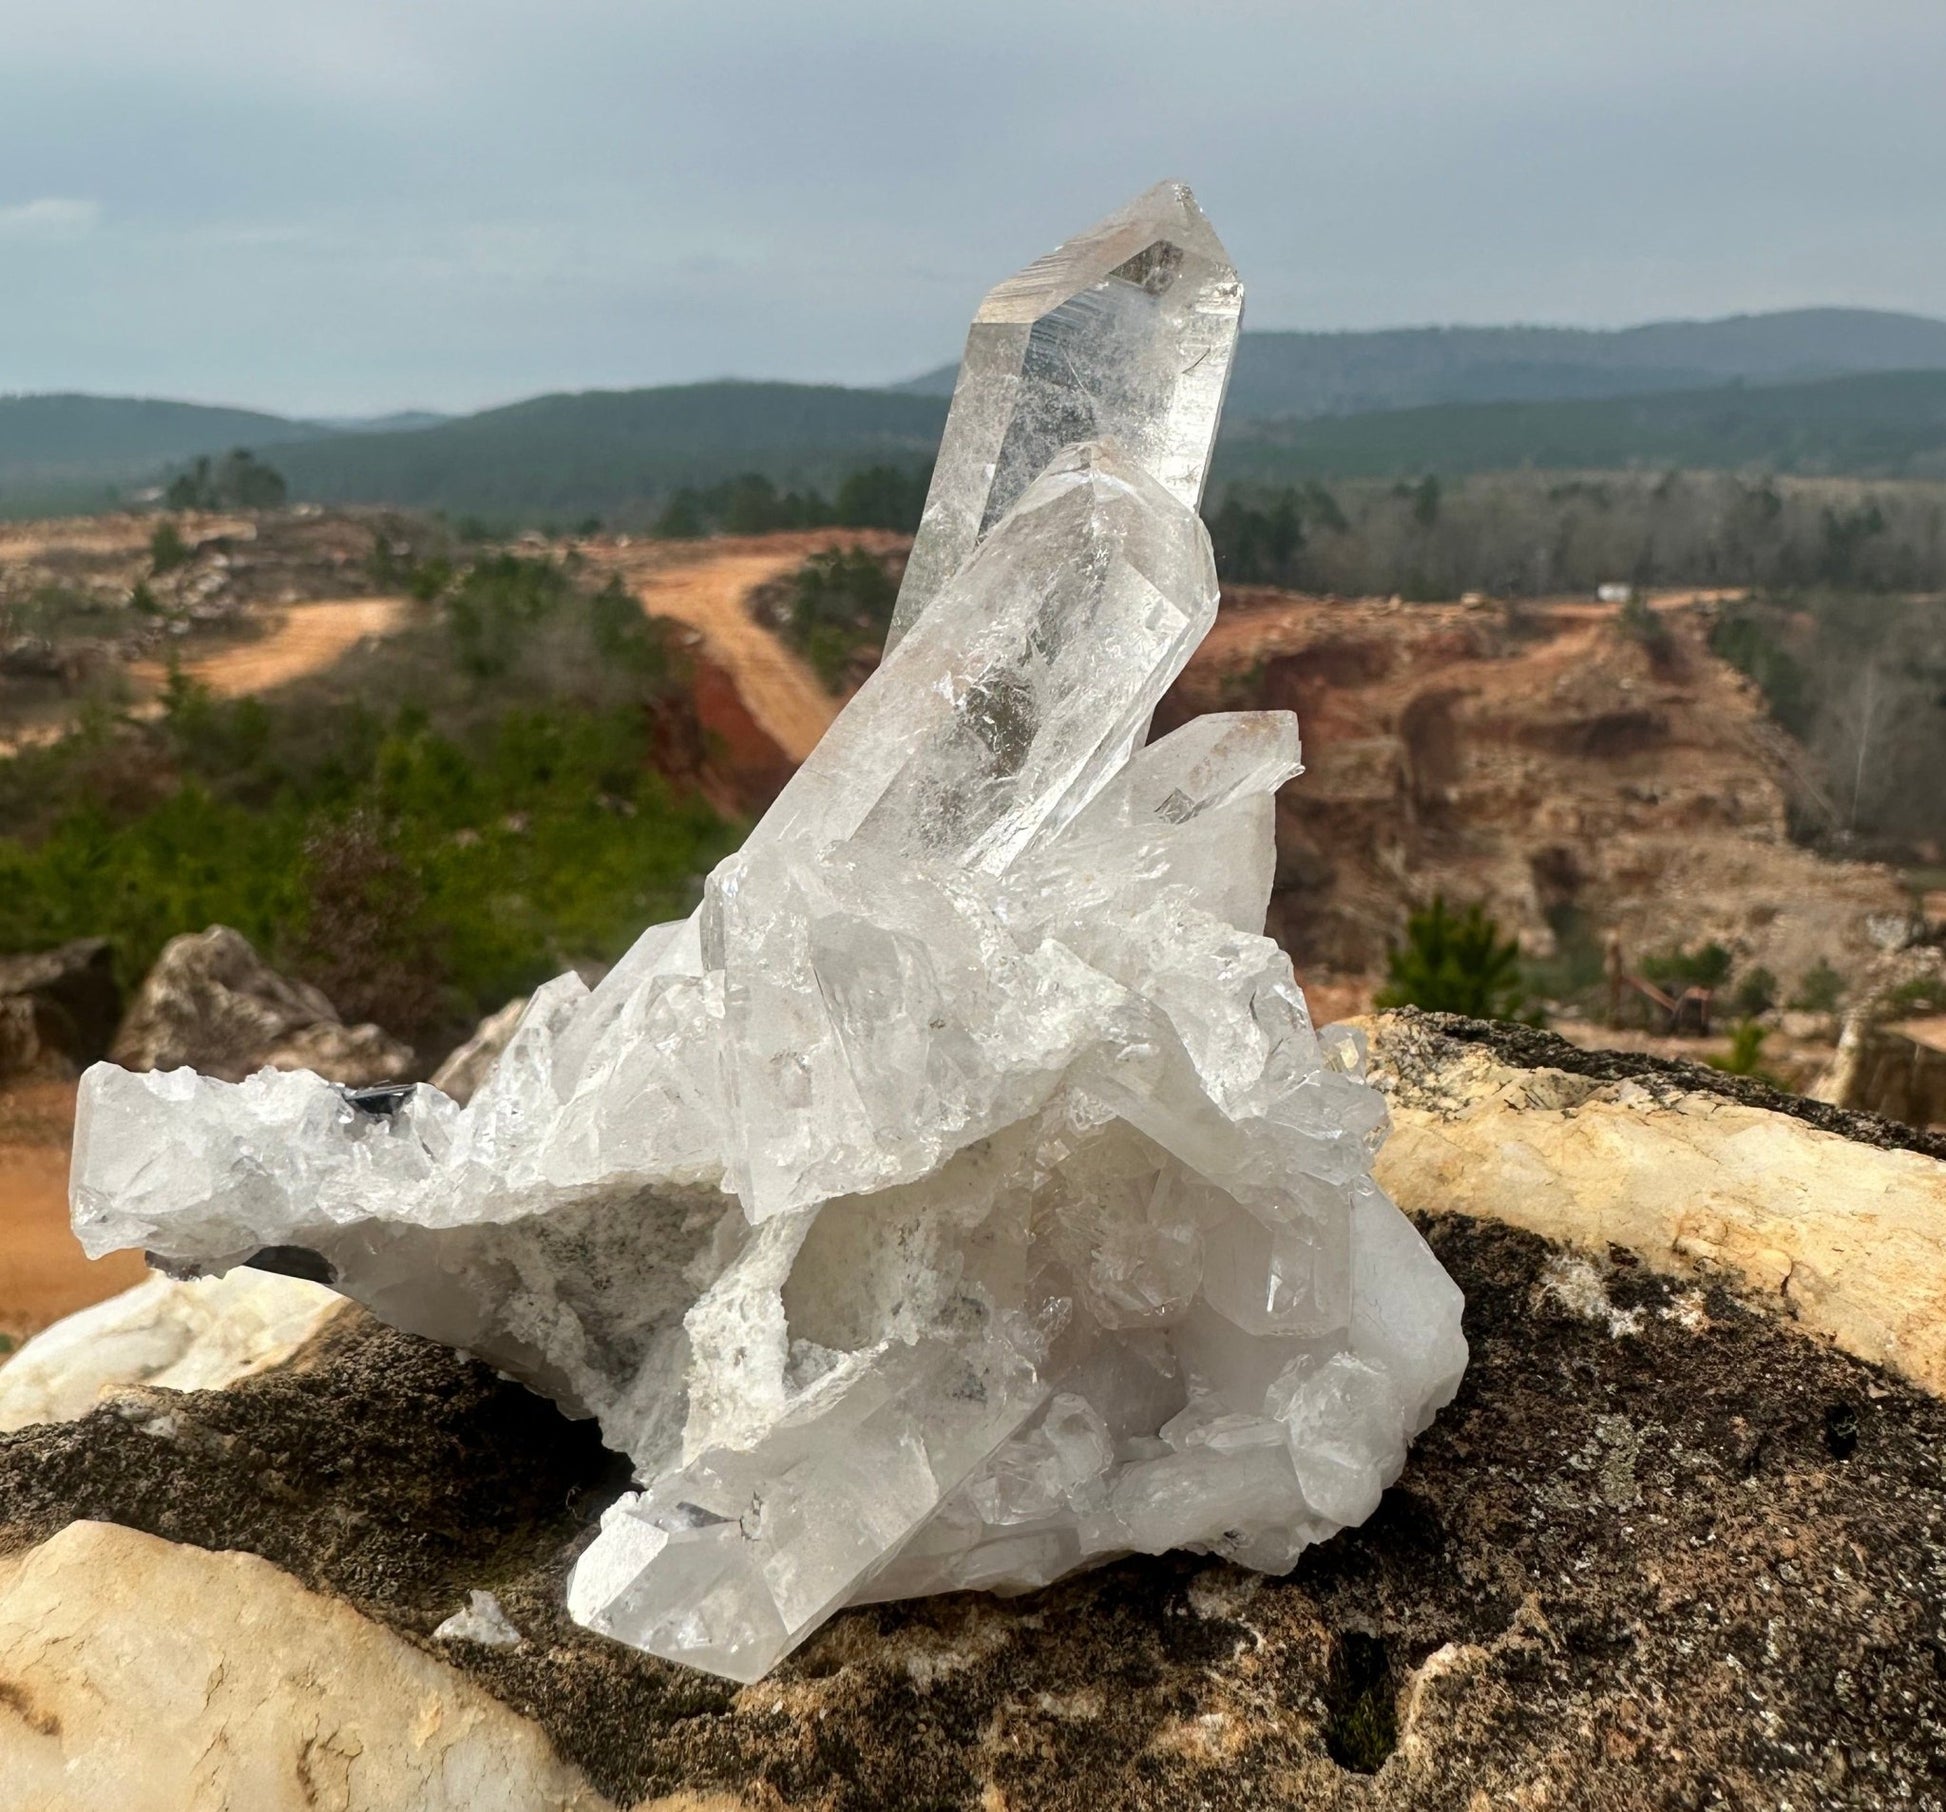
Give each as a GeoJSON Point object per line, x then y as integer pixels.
{"type": "Point", "coordinates": [345, 206]}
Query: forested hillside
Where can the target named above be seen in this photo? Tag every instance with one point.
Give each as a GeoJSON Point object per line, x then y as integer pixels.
{"type": "Point", "coordinates": [1282, 374]}
{"type": "Point", "coordinates": [1887, 424]}
{"type": "Point", "coordinates": [614, 454]}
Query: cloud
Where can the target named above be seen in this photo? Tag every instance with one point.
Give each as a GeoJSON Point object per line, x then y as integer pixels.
{"type": "Point", "coordinates": [49, 217]}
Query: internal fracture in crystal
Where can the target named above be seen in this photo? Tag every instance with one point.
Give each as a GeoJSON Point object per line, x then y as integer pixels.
{"type": "Point", "coordinates": [962, 1195]}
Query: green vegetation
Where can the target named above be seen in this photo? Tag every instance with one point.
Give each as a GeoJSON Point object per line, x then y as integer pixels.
{"type": "Point", "coordinates": [1708, 966]}
{"type": "Point", "coordinates": [1756, 992]}
{"type": "Point", "coordinates": [1361, 1727]}
{"type": "Point", "coordinates": [94, 442]}
{"type": "Point", "coordinates": [1888, 424]}
{"type": "Point", "coordinates": [888, 497]}
{"type": "Point", "coordinates": [1745, 638]}
{"type": "Point", "coordinates": [492, 606]}
{"type": "Point", "coordinates": [1819, 990]}
{"type": "Point", "coordinates": [470, 809]}
{"type": "Point", "coordinates": [1454, 963]}
{"type": "Point", "coordinates": [1259, 544]}
{"type": "Point", "coordinates": [622, 455]}
{"type": "Point", "coordinates": [838, 610]}
{"type": "Point", "coordinates": [748, 504]}
{"type": "Point", "coordinates": [167, 549]}
{"type": "Point", "coordinates": [60, 615]}
{"type": "Point", "coordinates": [237, 481]}
{"type": "Point", "coordinates": [1745, 1056]}
{"type": "Point", "coordinates": [1574, 975]}
{"type": "Point", "coordinates": [1921, 996]}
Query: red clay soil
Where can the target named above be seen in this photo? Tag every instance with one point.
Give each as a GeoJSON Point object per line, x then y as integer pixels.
{"type": "Point", "coordinates": [741, 760]}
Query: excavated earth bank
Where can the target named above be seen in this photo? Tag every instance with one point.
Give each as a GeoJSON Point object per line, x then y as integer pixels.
{"type": "Point", "coordinates": [1664, 1550]}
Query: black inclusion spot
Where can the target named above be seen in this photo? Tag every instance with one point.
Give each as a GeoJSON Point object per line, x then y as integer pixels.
{"type": "Point", "coordinates": [1361, 1726]}
{"type": "Point", "coordinates": [1840, 1430]}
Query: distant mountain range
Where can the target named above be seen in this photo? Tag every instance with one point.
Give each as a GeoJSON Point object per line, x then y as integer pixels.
{"type": "Point", "coordinates": [1883, 424]}
{"type": "Point", "coordinates": [1280, 375]}
{"type": "Point", "coordinates": [602, 452]}
{"type": "Point", "coordinates": [1820, 390]}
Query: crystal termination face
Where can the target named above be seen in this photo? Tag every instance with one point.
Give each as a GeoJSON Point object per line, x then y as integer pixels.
{"type": "Point", "coordinates": [961, 1196]}
{"type": "Point", "coordinates": [1125, 333]}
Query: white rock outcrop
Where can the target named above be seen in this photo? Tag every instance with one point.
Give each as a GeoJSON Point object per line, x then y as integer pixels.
{"type": "Point", "coordinates": [201, 1334]}
{"type": "Point", "coordinates": [1847, 1239]}
{"type": "Point", "coordinates": [143, 1676]}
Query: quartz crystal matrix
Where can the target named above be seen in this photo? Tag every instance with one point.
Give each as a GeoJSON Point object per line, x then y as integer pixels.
{"type": "Point", "coordinates": [962, 1195]}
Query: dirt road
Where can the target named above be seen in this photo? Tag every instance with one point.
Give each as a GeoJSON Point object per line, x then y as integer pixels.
{"type": "Point", "coordinates": [781, 691]}
{"type": "Point", "coordinates": [310, 637]}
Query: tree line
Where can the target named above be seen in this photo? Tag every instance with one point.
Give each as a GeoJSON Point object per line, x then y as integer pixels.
{"type": "Point", "coordinates": [880, 496]}
{"type": "Point", "coordinates": [1526, 534]}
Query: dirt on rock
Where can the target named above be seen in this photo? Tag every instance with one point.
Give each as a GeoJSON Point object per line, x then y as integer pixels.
{"type": "Point", "coordinates": [1672, 1554]}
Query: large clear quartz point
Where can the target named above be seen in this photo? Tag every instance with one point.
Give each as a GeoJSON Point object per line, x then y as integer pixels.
{"type": "Point", "coordinates": [961, 1195]}
{"type": "Point", "coordinates": [1124, 333]}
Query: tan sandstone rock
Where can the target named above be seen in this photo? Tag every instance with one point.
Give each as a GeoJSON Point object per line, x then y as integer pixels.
{"type": "Point", "coordinates": [149, 1677]}
{"type": "Point", "coordinates": [1848, 1239]}
{"type": "Point", "coordinates": [200, 1335]}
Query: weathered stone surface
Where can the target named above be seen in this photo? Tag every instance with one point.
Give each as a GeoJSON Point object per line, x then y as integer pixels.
{"type": "Point", "coordinates": [149, 1677]}
{"type": "Point", "coordinates": [1662, 1550]}
{"type": "Point", "coordinates": [198, 1335]}
{"type": "Point", "coordinates": [1692, 1170]}
{"type": "Point", "coordinates": [1877, 1069]}
{"type": "Point", "coordinates": [212, 1004]}
{"type": "Point", "coordinates": [471, 1063]}
{"type": "Point", "coordinates": [58, 1008]}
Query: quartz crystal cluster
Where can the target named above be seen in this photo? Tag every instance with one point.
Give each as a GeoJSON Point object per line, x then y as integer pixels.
{"type": "Point", "coordinates": [962, 1195]}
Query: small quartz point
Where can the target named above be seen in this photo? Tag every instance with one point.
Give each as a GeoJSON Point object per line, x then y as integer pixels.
{"type": "Point", "coordinates": [962, 1194]}
{"type": "Point", "coordinates": [1124, 333]}
{"type": "Point", "coordinates": [482, 1621]}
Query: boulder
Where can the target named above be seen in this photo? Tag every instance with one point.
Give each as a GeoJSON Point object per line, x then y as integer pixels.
{"type": "Point", "coordinates": [211, 1003]}
{"type": "Point", "coordinates": [152, 1677]}
{"type": "Point", "coordinates": [1672, 1544]}
{"type": "Point", "coordinates": [199, 1335]}
{"type": "Point", "coordinates": [1839, 1218]}
{"type": "Point", "coordinates": [58, 1008]}
{"type": "Point", "coordinates": [472, 1063]}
